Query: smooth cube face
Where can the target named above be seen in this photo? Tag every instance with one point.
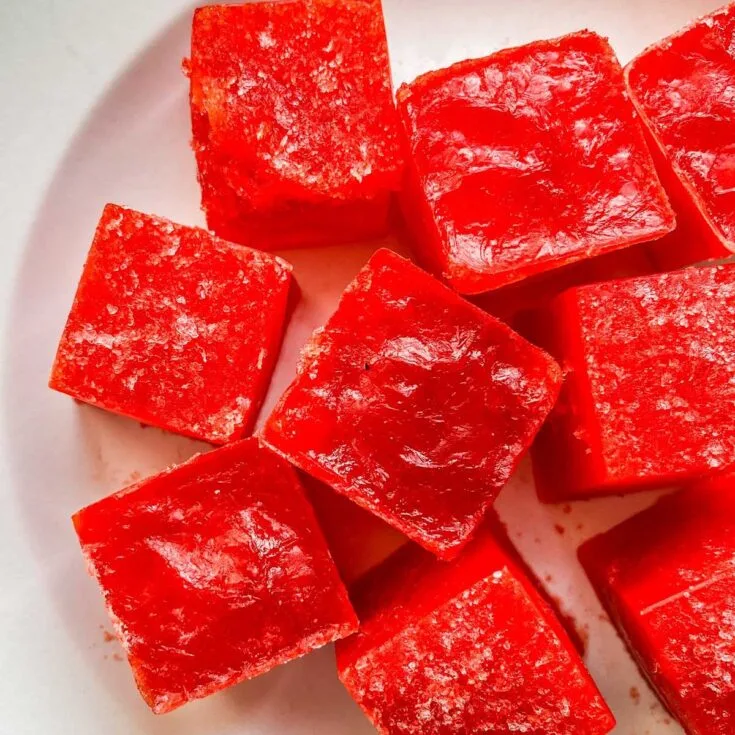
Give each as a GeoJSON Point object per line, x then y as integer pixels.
{"type": "Point", "coordinates": [214, 572]}
{"type": "Point", "coordinates": [173, 327]}
{"type": "Point", "coordinates": [357, 539]}
{"type": "Point", "coordinates": [466, 647]}
{"type": "Point", "coordinates": [682, 87]}
{"type": "Point", "coordinates": [414, 404]}
{"type": "Point", "coordinates": [667, 577]}
{"type": "Point", "coordinates": [525, 161]}
{"type": "Point", "coordinates": [295, 128]}
{"type": "Point", "coordinates": [649, 397]}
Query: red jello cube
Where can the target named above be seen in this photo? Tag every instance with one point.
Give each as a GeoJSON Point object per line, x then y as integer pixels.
{"type": "Point", "coordinates": [465, 647]}
{"type": "Point", "coordinates": [214, 572]}
{"type": "Point", "coordinates": [295, 129]}
{"type": "Point", "coordinates": [414, 404]}
{"type": "Point", "coordinates": [682, 87]}
{"type": "Point", "coordinates": [667, 579]}
{"type": "Point", "coordinates": [649, 396]}
{"type": "Point", "coordinates": [525, 161]}
{"type": "Point", "coordinates": [173, 327]}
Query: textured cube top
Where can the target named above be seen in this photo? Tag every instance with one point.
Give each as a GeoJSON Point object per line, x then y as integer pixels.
{"type": "Point", "coordinates": [465, 647]}
{"type": "Point", "coordinates": [526, 160]}
{"type": "Point", "coordinates": [293, 105]}
{"type": "Point", "coordinates": [214, 572]}
{"type": "Point", "coordinates": [683, 89]}
{"type": "Point", "coordinates": [414, 403]}
{"type": "Point", "coordinates": [173, 327]}
{"type": "Point", "coordinates": [650, 395]}
{"type": "Point", "coordinates": [667, 576]}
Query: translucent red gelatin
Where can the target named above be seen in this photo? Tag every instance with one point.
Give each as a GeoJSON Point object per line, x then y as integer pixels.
{"type": "Point", "coordinates": [357, 540]}
{"type": "Point", "coordinates": [682, 87]}
{"type": "Point", "coordinates": [414, 404]}
{"type": "Point", "coordinates": [173, 327]}
{"type": "Point", "coordinates": [667, 579]}
{"type": "Point", "coordinates": [295, 129]}
{"type": "Point", "coordinates": [214, 572]}
{"type": "Point", "coordinates": [649, 396]}
{"type": "Point", "coordinates": [525, 161]}
{"type": "Point", "coordinates": [465, 647]}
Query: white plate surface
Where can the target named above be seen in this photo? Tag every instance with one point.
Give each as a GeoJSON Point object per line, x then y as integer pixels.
{"type": "Point", "coordinates": [94, 110]}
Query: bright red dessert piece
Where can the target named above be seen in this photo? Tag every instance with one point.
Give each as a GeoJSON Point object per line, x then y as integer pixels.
{"type": "Point", "coordinates": [649, 397]}
{"type": "Point", "coordinates": [357, 540]}
{"type": "Point", "coordinates": [214, 572]}
{"type": "Point", "coordinates": [414, 404]}
{"type": "Point", "coordinates": [465, 647]}
{"type": "Point", "coordinates": [682, 87]}
{"type": "Point", "coordinates": [173, 327]}
{"type": "Point", "coordinates": [295, 129]}
{"type": "Point", "coordinates": [525, 161]}
{"type": "Point", "coordinates": [667, 579]}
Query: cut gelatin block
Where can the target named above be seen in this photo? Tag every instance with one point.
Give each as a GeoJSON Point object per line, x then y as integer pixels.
{"type": "Point", "coordinates": [649, 395]}
{"type": "Point", "coordinates": [682, 87]}
{"type": "Point", "coordinates": [526, 161]}
{"type": "Point", "coordinates": [465, 647]}
{"type": "Point", "coordinates": [414, 404]}
{"type": "Point", "coordinates": [296, 133]}
{"type": "Point", "coordinates": [667, 579]}
{"type": "Point", "coordinates": [214, 572]}
{"type": "Point", "coordinates": [174, 327]}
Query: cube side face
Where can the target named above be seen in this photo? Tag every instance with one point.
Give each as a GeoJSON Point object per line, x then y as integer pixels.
{"type": "Point", "coordinates": [295, 128]}
{"type": "Point", "coordinates": [173, 327]}
{"type": "Point", "coordinates": [659, 378]}
{"type": "Point", "coordinates": [213, 573]}
{"type": "Point", "coordinates": [485, 661]}
{"type": "Point", "coordinates": [413, 403]}
{"type": "Point", "coordinates": [665, 576]}
{"type": "Point", "coordinates": [503, 149]}
{"type": "Point", "coordinates": [681, 87]}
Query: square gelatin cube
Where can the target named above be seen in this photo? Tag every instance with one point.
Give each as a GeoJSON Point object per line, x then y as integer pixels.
{"type": "Point", "coordinates": [667, 579]}
{"type": "Point", "coordinates": [214, 572]}
{"type": "Point", "coordinates": [414, 403]}
{"type": "Point", "coordinates": [296, 133]}
{"type": "Point", "coordinates": [525, 161]}
{"type": "Point", "coordinates": [173, 327]}
{"type": "Point", "coordinates": [464, 647]}
{"type": "Point", "coordinates": [682, 87]}
{"type": "Point", "coordinates": [649, 396]}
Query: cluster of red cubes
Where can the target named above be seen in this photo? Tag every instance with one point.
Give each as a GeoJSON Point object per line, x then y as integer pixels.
{"type": "Point", "coordinates": [529, 183]}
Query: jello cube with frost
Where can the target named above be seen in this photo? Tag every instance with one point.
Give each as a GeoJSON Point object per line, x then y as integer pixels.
{"type": "Point", "coordinates": [214, 572]}
{"type": "Point", "coordinates": [173, 327]}
{"type": "Point", "coordinates": [465, 647]}
{"type": "Point", "coordinates": [296, 133]}
{"type": "Point", "coordinates": [649, 396]}
{"type": "Point", "coordinates": [525, 161]}
{"type": "Point", "coordinates": [667, 579]}
{"type": "Point", "coordinates": [414, 404]}
{"type": "Point", "coordinates": [682, 87]}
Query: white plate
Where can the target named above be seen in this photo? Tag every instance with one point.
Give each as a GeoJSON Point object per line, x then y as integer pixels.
{"type": "Point", "coordinates": [95, 110]}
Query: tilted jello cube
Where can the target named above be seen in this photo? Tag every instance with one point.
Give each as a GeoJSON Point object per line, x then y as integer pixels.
{"type": "Point", "coordinates": [173, 327]}
{"type": "Point", "coordinates": [465, 647]}
{"type": "Point", "coordinates": [214, 572]}
{"type": "Point", "coordinates": [649, 396]}
{"type": "Point", "coordinates": [414, 404]}
{"type": "Point", "coordinates": [682, 87]}
{"type": "Point", "coordinates": [295, 129]}
{"type": "Point", "coordinates": [667, 579]}
{"type": "Point", "coordinates": [525, 161]}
